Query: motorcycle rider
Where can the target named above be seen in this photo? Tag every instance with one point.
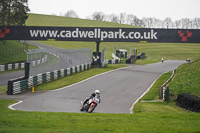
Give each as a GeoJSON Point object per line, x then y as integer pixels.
{"type": "Point", "coordinates": [162, 60]}
{"type": "Point", "coordinates": [96, 94]}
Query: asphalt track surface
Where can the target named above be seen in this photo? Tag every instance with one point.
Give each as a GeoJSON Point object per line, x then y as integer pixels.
{"type": "Point", "coordinates": [119, 90]}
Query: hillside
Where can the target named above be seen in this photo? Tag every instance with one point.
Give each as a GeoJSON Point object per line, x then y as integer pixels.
{"type": "Point", "coordinates": [49, 20]}
{"type": "Point", "coordinates": [187, 79]}
{"type": "Point", "coordinates": [13, 51]}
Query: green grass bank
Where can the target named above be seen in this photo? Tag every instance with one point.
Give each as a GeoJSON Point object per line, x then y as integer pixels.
{"type": "Point", "coordinates": [148, 117]}
{"type": "Point", "coordinates": [13, 51]}
{"type": "Point", "coordinates": [187, 79]}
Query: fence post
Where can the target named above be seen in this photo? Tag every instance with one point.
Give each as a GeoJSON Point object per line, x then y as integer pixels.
{"type": "Point", "coordinates": [10, 88]}
{"type": "Point", "coordinates": [160, 89]}
{"type": "Point", "coordinates": [166, 96]}
{"type": "Point", "coordinates": [27, 68]}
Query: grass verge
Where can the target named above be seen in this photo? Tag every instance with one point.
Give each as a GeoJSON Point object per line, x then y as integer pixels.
{"type": "Point", "coordinates": [77, 77]}
{"type": "Point", "coordinates": [187, 79]}
{"type": "Point", "coordinates": [146, 105]}
{"type": "Point", "coordinates": [149, 117]}
{"type": "Point", "coordinates": [49, 122]}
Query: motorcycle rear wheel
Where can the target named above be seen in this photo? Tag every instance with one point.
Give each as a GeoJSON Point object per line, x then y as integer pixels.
{"type": "Point", "coordinates": [90, 110]}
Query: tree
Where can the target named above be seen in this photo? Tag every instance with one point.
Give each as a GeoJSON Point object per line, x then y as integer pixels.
{"type": "Point", "coordinates": [158, 23]}
{"type": "Point", "coordinates": [177, 24]}
{"type": "Point", "coordinates": [113, 18]}
{"type": "Point", "coordinates": [133, 20]}
{"type": "Point", "coordinates": [13, 12]}
{"type": "Point", "coordinates": [185, 23]}
{"type": "Point", "coordinates": [196, 23]}
{"type": "Point", "coordinates": [100, 16]}
{"type": "Point", "coordinates": [148, 22]}
{"type": "Point", "coordinates": [122, 18]}
{"type": "Point", "coordinates": [71, 14]}
{"type": "Point", "coordinates": [168, 22]}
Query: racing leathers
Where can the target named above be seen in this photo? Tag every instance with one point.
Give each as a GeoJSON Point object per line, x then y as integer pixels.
{"type": "Point", "coordinates": [92, 96]}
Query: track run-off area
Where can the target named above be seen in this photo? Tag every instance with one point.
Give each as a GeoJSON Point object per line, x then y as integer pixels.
{"type": "Point", "coordinates": [120, 90]}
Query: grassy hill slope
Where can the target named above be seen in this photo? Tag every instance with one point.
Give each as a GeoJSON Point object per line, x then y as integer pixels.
{"type": "Point", "coordinates": [12, 51]}
{"type": "Point", "coordinates": [187, 79]}
{"type": "Point", "coordinates": [48, 20]}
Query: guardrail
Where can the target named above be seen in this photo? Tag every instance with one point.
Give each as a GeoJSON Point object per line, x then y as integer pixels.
{"type": "Point", "coordinates": [15, 87]}
{"type": "Point", "coordinates": [16, 66]}
{"type": "Point", "coordinates": [164, 90]}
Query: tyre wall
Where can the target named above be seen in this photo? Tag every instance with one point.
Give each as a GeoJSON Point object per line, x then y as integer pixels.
{"type": "Point", "coordinates": [188, 102]}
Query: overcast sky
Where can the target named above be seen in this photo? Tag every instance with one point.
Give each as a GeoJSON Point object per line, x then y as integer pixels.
{"type": "Point", "coordinates": [175, 9]}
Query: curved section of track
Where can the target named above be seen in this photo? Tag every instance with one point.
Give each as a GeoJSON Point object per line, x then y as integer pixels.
{"type": "Point", "coordinates": [119, 90]}
{"type": "Point", "coordinates": [62, 62]}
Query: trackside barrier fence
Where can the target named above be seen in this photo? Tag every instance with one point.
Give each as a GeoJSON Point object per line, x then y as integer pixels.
{"type": "Point", "coordinates": [16, 66]}
{"type": "Point", "coordinates": [15, 87]}
{"type": "Point", "coordinates": [13, 66]}
{"type": "Point", "coordinates": [164, 90]}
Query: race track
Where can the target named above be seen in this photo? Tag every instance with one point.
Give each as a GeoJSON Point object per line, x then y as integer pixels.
{"type": "Point", "coordinates": [62, 61]}
{"type": "Point", "coordinates": [119, 90]}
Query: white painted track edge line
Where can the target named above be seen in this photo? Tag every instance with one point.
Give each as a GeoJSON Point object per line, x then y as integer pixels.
{"type": "Point", "coordinates": [131, 109]}
{"type": "Point", "coordinates": [11, 106]}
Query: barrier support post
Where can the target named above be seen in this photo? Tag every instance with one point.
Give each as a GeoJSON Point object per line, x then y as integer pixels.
{"type": "Point", "coordinates": [33, 89]}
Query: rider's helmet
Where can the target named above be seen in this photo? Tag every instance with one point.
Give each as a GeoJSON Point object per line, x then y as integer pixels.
{"type": "Point", "coordinates": [97, 92]}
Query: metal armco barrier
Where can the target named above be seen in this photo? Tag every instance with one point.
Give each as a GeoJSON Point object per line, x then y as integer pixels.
{"type": "Point", "coordinates": [164, 90]}
{"type": "Point", "coordinates": [188, 102]}
{"type": "Point", "coordinates": [22, 84]}
{"type": "Point", "coordinates": [16, 66]}
{"type": "Point", "coordinates": [13, 66]}
{"type": "Point", "coordinates": [166, 94]}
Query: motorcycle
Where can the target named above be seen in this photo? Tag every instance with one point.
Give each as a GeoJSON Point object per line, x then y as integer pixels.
{"type": "Point", "coordinates": [90, 105]}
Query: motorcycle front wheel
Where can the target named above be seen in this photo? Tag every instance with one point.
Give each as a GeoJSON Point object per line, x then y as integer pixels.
{"type": "Point", "coordinates": [90, 110]}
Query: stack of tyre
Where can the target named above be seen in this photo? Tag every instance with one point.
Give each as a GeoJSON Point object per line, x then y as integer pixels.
{"type": "Point", "coordinates": [130, 59]}
{"type": "Point", "coordinates": [141, 56]}
{"type": "Point", "coordinates": [188, 102]}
